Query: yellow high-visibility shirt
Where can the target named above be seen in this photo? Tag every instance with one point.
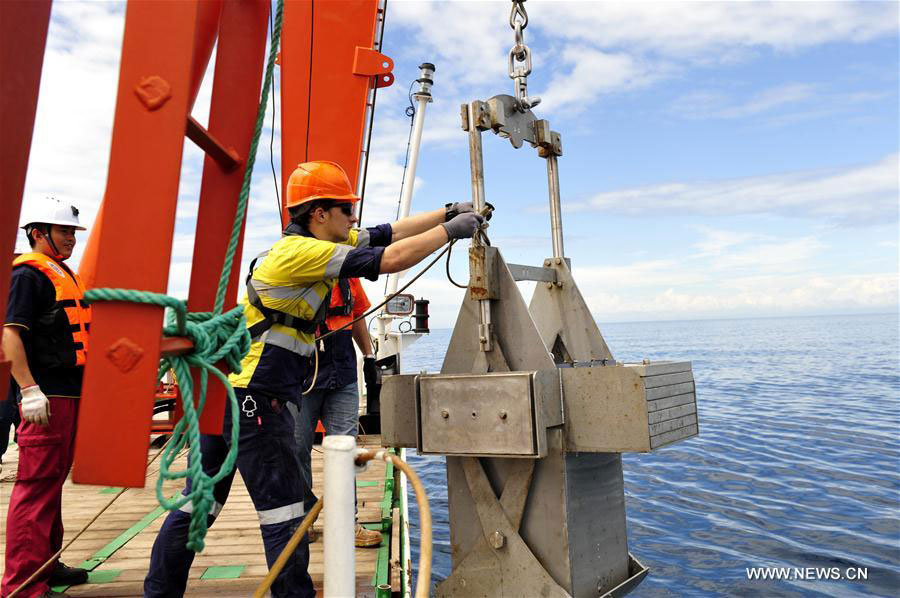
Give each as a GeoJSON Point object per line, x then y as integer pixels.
{"type": "Point", "coordinates": [294, 277]}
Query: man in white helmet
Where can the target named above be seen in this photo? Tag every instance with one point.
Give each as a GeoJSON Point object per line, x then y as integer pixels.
{"type": "Point", "coordinates": [45, 336]}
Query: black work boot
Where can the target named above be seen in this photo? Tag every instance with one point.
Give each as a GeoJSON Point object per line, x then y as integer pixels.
{"type": "Point", "coordinates": [63, 575]}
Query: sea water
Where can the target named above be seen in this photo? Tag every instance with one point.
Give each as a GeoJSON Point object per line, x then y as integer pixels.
{"type": "Point", "coordinates": [796, 471]}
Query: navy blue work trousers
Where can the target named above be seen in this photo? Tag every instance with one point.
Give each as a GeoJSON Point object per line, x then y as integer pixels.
{"type": "Point", "coordinates": [268, 462]}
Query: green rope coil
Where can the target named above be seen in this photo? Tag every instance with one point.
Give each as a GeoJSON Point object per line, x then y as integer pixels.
{"type": "Point", "coordinates": [217, 337]}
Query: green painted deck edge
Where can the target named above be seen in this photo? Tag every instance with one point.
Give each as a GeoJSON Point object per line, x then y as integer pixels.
{"type": "Point", "coordinates": [110, 490]}
{"type": "Point", "coordinates": [383, 560]}
{"type": "Point", "coordinates": [99, 557]}
{"type": "Point", "coordinates": [365, 483]}
{"type": "Point", "coordinates": [123, 538]}
{"type": "Point", "coordinates": [223, 572]}
{"type": "Point", "coordinates": [387, 502]}
{"type": "Point", "coordinates": [105, 576]}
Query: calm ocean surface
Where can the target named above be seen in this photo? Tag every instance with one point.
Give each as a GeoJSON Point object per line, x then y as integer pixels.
{"type": "Point", "coordinates": [797, 464]}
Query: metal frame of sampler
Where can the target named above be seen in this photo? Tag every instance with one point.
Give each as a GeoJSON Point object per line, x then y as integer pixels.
{"type": "Point", "coordinates": [532, 412]}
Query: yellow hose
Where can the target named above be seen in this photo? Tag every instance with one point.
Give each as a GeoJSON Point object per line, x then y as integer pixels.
{"type": "Point", "coordinates": [423, 583]}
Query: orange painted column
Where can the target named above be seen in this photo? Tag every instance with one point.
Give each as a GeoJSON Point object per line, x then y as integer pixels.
{"type": "Point", "coordinates": [135, 248]}
{"type": "Point", "coordinates": [240, 59]}
{"type": "Point", "coordinates": [328, 69]}
{"type": "Point", "coordinates": [296, 50]}
{"type": "Point", "coordinates": [23, 37]}
{"type": "Point", "coordinates": [208, 14]}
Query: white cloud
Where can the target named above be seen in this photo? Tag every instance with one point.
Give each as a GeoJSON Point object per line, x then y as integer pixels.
{"type": "Point", "coordinates": [592, 72]}
{"type": "Point", "coordinates": [717, 241]}
{"type": "Point", "coordinates": [772, 257]}
{"type": "Point", "coordinates": [596, 48]}
{"type": "Point", "coordinates": [699, 29]}
{"type": "Point", "coordinates": [856, 195]}
{"type": "Point", "coordinates": [73, 123]}
{"type": "Point", "coordinates": [733, 274]}
{"type": "Point", "coordinates": [775, 106]}
{"type": "Point", "coordinates": [709, 104]}
{"type": "Point", "coordinates": [761, 295]}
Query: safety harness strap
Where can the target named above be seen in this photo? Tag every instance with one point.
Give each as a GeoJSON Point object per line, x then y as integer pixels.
{"type": "Point", "coordinates": [346, 308]}
{"type": "Point", "coordinates": [273, 316]}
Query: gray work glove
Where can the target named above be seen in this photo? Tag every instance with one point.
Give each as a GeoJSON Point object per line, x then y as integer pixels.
{"type": "Point", "coordinates": [455, 209]}
{"type": "Point", "coordinates": [463, 226]}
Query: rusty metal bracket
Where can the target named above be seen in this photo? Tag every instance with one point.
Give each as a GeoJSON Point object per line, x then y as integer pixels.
{"type": "Point", "coordinates": [482, 115]}
{"type": "Point", "coordinates": [549, 142]}
{"type": "Point", "coordinates": [483, 282]}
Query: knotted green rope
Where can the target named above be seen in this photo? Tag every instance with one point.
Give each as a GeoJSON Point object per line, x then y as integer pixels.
{"type": "Point", "coordinates": [216, 336]}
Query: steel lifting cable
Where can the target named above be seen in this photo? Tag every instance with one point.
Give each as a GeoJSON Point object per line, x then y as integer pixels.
{"type": "Point", "coordinates": [479, 232]}
{"type": "Point", "coordinates": [217, 336]}
{"type": "Point", "coordinates": [423, 582]}
{"type": "Point", "coordinates": [373, 310]}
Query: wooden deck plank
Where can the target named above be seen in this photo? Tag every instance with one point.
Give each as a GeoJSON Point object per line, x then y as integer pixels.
{"type": "Point", "coordinates": [234, 540]}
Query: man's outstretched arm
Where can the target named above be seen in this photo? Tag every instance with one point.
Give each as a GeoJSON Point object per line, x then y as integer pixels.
{"type": "Point", "coordinates": [405, 253]}
{"type": "Point", "coordinates": [417, 224]}
{"type": "Point", "coordinates": [420, 223]}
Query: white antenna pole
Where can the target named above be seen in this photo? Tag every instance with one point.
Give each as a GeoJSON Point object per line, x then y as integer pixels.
{"type": "Point", "coordinates": [422, 97]}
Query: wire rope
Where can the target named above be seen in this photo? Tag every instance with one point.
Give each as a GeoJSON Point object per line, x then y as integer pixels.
{"type": "Point", "coordinates": [450, 278]}
{"type": "Point", "coordinates": [272, 131]}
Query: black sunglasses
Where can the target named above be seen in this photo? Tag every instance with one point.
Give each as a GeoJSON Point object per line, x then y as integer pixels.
{"type": "Point", "coordinates": [346, 208]}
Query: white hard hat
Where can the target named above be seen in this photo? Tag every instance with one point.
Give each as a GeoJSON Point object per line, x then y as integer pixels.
{"type": "Point", "coordinates": [50, 210]}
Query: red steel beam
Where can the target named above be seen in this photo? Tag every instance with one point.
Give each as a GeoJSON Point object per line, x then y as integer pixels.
{"type": "Point", "coordinates": [23, 37]}
{"type": "Point", "coordinates": [135, 248]}
{"type": "Point", "coordinates": [296, 40]}
{"type": "Point", "coordinates": [208, 14]}
{"type": "Point", "coordinates": [330, 43]}
{"type": "Point", "coordinates": [232, 118]}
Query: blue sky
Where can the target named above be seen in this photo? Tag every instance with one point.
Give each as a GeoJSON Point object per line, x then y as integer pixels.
{"type": "Point", "coordinates": [721, 159]}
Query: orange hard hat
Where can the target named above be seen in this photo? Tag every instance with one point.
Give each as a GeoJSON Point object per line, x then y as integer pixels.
{"type": "Point", "coordinates": [318, 180]}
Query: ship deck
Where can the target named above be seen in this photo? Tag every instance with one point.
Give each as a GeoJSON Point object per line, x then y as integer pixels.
{"type": "Point", "coordinates": [117, 546]}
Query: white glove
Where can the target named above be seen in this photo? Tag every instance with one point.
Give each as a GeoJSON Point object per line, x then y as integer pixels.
{"type": "Point", "coordinates": [35, 406]}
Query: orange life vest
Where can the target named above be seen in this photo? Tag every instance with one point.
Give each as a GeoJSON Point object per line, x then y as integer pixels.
{"type": "Point", "coordinates": [60, 335]}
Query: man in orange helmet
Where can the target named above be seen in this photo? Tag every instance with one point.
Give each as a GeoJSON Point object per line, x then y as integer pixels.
{"type": "Point", "coordinates": [288, 295]}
